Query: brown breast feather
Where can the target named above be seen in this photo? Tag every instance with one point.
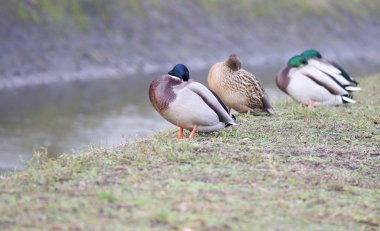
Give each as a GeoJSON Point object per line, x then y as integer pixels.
{"type": "Point", "coordinates": [161, 92]}
{"type": "Point", "coordinates": [282, 79]}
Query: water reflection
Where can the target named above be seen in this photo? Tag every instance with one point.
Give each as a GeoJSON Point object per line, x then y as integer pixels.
{"type": "Point", "coordinates": [72, 116]}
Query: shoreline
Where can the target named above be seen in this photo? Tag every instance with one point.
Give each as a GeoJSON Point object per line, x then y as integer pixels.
{"type": "Point", "coordinates": [22, 95]}
{"type": "Point", "coordinates": [299, 169]}
{"type": "Point", "coordinates": [99, 72]}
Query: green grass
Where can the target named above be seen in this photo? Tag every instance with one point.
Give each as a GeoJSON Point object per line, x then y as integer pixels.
{"type": "Point", "coordinates": [82, 11]}
{"type": "Point", "coordinates": [297, 170]}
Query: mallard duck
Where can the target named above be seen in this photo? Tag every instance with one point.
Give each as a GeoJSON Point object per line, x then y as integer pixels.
{"type": "Point", "coordinates": [188, 104]}
{"type": "Point", "coordinates": [309, 85]}
{"type": "Point", "coordinates": [238, 88]}
{"type": "Point", "coordinates": [314, 58]}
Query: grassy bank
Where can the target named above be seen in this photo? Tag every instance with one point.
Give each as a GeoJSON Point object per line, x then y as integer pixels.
{"type": "Point", "coordinates": [81, 12]}
{"type": "Point", "coordinates": [298, 170]}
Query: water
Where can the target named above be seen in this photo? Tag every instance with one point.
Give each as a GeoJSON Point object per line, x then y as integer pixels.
{"type": "Point", "coordinates": [73, 116]}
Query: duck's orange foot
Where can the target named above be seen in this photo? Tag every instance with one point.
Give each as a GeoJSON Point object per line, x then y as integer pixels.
{"type": "Point", "coordinates": [192, 134]}
{"type": "Point", "coordinates": [311, 104]}
{"type": "Point", "coordinates": [180, 134]}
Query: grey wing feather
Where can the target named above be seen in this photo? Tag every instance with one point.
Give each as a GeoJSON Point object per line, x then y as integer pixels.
{"type": "Point", "coordinates": [209, 98]}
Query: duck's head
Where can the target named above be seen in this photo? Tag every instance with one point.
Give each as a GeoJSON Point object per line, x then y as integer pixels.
{"type": "Point", "coordinates": [180, 71]}
{"type": "Point", "coordinates": [297, 61]}
{"type": "Point", "coordinates": [309, 54]}
{"type": "Point", "coordinates": [234, 62]}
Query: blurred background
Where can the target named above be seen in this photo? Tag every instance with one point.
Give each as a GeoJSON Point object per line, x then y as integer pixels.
{"type": "Point", "coordinates": [75, 73]}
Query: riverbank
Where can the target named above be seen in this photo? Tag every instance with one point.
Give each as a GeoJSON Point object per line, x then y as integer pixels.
{"type": "Point", "coordinates": [297, 170]}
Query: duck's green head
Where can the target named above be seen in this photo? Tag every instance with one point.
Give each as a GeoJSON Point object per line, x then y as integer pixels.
{"type": "Point", "coordinates": [297, 61]}
{"type": "Point", "coordinates": [180, 71]}
{"type": "Point", "coordinates": [309, 54]}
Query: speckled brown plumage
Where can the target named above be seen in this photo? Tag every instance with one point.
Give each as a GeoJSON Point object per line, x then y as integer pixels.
{"type": "Point", "coordinates": [237, 88]}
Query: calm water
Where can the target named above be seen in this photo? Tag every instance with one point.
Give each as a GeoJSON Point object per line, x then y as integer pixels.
{"type": "Point", "coordinates": [73, 116]}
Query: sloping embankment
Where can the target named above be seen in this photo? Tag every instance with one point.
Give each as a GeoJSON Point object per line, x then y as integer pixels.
{"type": "Point", "coordinates": [48, 41]}
{"type": "Point", "coordinates": [296, 170]}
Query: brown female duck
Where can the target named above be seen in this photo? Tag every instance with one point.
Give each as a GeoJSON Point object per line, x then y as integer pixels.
{"type": "Point", "coordinates": [238, 88]}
